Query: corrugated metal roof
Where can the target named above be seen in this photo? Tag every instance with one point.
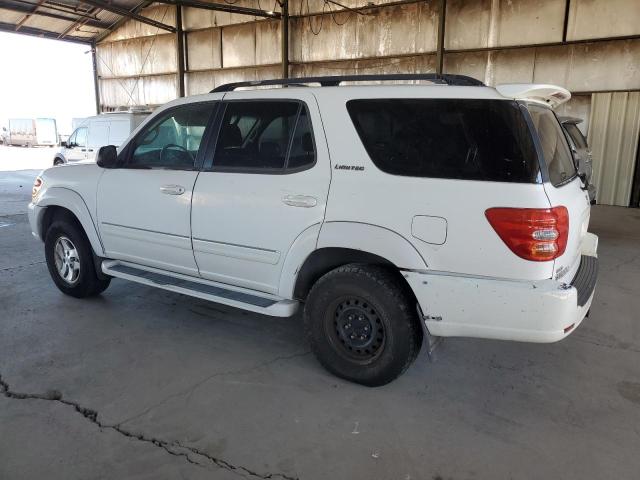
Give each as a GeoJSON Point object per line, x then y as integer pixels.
{"type": "Point", "coordinates": [69, 20]}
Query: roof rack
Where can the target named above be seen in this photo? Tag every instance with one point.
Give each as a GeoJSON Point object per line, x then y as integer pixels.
{"type": "Point", "coordinates": [335, 80]}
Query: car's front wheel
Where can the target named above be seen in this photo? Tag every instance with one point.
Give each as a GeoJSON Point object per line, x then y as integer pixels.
{"type": "Point", "coordinates": [70, 260]}
{"type": "Point", "coordinates": [362, 324]}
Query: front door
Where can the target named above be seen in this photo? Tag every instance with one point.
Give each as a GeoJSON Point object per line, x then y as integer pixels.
{"type": "Point", "coordinates": [76, 150]}
{"type": "Point", "coordinates": [144, 205]}
{"type": "Point", "coordinates": [266, 184]}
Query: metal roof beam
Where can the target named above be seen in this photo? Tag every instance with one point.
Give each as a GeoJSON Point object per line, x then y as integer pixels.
{"type": "Point", "coordinates": [36, 32]}
{"type": "Point", "coordinates": [91, 21]}
{"type": "Point", "coordinates": [129, 14]}
{"type": "Point", "coordinates": [118, 23]}
{"type": "Point", "coordinates": [222, 8]}
{"type": "Point", "coordinates": [28, 15]}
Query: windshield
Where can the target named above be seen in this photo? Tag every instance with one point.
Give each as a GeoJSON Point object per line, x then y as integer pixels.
{"type": "Point", "coordinates": [555, 149]}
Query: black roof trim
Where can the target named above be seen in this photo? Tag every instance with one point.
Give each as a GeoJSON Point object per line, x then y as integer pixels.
{"type": "Point", "coordinates": [335, 80]}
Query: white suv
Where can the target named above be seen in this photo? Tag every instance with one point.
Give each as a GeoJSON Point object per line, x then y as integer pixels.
{"type": "Point", "coordinates": [389, 212]}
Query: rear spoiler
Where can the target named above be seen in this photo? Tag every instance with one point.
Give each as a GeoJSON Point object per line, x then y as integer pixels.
{"type": "Point", "coordinates": [551, 95]}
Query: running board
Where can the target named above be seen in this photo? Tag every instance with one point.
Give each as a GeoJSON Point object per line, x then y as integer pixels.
{"type": "Point", "coordinates": [204, 289]}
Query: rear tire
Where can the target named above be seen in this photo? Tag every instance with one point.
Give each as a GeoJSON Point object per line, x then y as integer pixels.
{"type": "Point", "coordinates": [70, 260]}
{"type": "Point", "coordinates": [362, 324]}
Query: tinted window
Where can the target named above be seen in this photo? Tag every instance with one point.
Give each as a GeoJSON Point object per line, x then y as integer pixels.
{"type": "Point", "coordinates": [555, 149]}
{"type": "Point", "coordinates": [447, 138]}
{"type": "Point", "coordinates": [264, 135]}
{"type": "Point", "coordinates": [173, 139]}
{"type": "Point", "coordinates": [576, 135]}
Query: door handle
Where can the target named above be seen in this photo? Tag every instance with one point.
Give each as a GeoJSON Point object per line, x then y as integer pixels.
{"type": "Point", "coordinates": [172, 189]}
{"type": "Point", "coordinates": [300, 201]}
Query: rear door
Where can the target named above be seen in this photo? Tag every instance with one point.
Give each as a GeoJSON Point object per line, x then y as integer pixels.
{"type": "Point", "coordinates": [563, 187]}
{"type": "Point", "coordinates": [266, 183]}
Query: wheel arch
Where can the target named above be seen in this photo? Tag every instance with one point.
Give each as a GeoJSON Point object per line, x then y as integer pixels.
{"type": "Point", "coordinates": [64, 202]}
{"type": "Point", "coordinates": [335, 247]}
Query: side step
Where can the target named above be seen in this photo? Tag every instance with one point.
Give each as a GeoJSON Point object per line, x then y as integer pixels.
{"type": "Point", "coordinates": [204, 289]}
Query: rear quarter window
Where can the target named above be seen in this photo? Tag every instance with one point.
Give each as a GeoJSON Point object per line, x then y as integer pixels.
{"type": "Point", "coordinates": [555, 148]}
{"type": "Point", "coordinates": [447, 138]}
{"type": "Point", "coordinates": [576, 135]}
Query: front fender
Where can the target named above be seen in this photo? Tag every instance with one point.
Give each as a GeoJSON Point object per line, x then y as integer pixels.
{"type": "Point", "coordinates": [72, 201]}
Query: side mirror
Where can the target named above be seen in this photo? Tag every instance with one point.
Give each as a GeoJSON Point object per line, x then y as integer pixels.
{"type": "Point", "coordinates": [107, 157]}
{"type": "Point", "coordinates": [64, 144]}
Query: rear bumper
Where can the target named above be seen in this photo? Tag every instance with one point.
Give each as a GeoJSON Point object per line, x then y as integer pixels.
{"type": "Point", "coordinates": [543, 311]}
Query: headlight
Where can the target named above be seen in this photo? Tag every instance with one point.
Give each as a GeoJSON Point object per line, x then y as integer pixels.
{"type": "Point", "coordinates": [37, 185]}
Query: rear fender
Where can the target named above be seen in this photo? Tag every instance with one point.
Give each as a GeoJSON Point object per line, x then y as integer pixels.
{"type": "Point", "coordinates": [374, 239]}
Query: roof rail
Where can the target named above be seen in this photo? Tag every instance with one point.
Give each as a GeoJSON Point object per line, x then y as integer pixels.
{"type": "Point", "coordinates": [335, 80]}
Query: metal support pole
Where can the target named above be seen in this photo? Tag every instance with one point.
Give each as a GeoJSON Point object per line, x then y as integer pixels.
{"type": "Point", "coordinates": [440, 47]}
{"type": "Point", "coordinates": [565, 26]}
{"type": "Point", "coordinates": [180, 51]}
{"type": "Point", "coordinates": [284, 25]}
{"type": "Point", "coordinates": [96, 84]}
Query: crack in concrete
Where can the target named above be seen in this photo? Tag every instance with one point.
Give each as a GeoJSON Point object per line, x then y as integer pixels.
{"type": "Point", "coordinates": [174, 448]}
{"type": "Point", "coordinates": [189, 390]}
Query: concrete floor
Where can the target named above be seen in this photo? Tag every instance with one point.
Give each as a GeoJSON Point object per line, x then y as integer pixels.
{"type": "Point", "coordinates": [141, 383]}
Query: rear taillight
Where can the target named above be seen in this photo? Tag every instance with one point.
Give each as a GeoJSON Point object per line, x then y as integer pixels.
{"type": "Point", "coordinates": [538, 234]}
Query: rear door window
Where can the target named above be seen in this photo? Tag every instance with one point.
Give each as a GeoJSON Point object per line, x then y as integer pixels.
{"type": "Point", "coordinates": [447, 138]}
{"type": "Point", "coordinates": [264, 136]}
{"type": "Point", "coordinates": [555, 148]}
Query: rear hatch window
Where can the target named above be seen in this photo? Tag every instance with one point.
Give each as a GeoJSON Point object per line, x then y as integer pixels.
{"type": "Point", "coordinates": [447, 138]}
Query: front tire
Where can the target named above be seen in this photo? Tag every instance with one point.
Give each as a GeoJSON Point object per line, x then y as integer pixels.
{"type": "Point", "coordinates": [70, 260]}
{"type": "Point", "coordinates": [362, 324]}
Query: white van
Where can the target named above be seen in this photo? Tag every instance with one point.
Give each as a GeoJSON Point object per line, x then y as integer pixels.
{"type": "Point", "coordinates": [94, 132]}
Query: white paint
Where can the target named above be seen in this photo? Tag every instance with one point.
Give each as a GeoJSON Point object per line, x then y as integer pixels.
{"type": "Point", "coordinates": [552, 95]}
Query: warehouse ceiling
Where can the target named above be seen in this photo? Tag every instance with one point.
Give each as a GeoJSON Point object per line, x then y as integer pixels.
{"type": "Point", "coordinates": [88, 21]}
{"type": "Point", "coordinates": [68, 20]}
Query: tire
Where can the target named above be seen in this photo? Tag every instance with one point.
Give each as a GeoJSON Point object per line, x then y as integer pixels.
{"type": "Point", "coordinates": [84, 282]}
{"type": "Point", "coordinates": [362, 324]}
{"type": "Point", "coordinates": [57, 161]}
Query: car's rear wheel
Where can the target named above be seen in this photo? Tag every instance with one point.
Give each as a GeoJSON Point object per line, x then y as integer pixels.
{"type": "Point", "coordinates": [362, 325]}
{"type": "Point", "coordinates": [70, 260]}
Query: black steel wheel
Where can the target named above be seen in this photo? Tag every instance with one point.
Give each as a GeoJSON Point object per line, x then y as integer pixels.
{"type": "Point", "coordinates": [356, 330]}
{"type": "Point", "coordinates": [362, 324]}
